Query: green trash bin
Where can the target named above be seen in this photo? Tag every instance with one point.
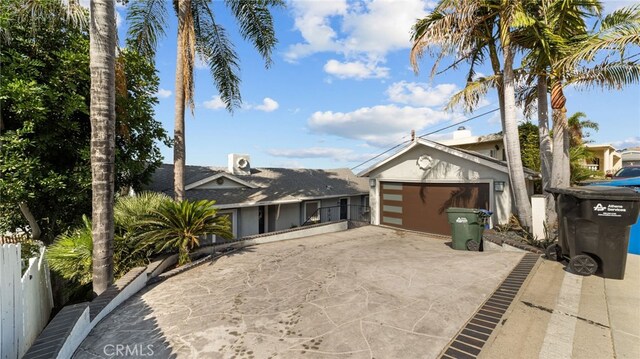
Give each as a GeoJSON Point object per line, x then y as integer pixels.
{"type": "Point", "coordinates": [467, 225]}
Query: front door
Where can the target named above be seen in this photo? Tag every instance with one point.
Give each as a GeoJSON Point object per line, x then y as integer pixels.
{"type": "Point", "coordinates": [344, 208]}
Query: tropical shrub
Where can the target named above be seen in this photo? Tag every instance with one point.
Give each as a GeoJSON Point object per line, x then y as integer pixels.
{"type": "Point", "coordinates": [71, 254]}
{"type": "Point", "coordinates": [177, 226]}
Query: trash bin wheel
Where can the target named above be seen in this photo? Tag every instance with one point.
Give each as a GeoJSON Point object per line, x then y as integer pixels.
{"type": "Point", "coordinates": [473, 246]}
{"type": "Point", "coordinates": [554, 252]}
{"type": "Point", "coordinates": [583, 264]}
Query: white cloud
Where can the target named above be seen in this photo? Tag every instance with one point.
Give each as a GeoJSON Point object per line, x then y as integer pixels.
{"type": "Point", "coordinates": [163, 93]}
{"type": "Point", "coordinates": [337, 154]}
{"type": "Point", "coordinates": [378, 125]}
{"type": "Point", "coordinates": [268, 105]}
{"type": "Point", "coordinates": [355, 69]}
{"type": "Point", "coordinates": [370, 29]}
{"type": "Point", "coordinates": [420, 94]}
{"type": "Point", "coordinates": [215, 103]}
{"type": "Point", "coordinates": [627, 143]}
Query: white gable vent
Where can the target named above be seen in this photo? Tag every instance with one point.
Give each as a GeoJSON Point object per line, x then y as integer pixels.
{"type": "Point", "coordinates": [239, 164]}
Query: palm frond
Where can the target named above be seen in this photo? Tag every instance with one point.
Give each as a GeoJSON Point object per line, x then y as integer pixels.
{"type": "Point", "coordinates": [71, 254]}
{"type": "Point", "coordinates": [178, 226]}
{"type": "Point", "coordinates": [606, 75]}
{"type": "Point", "coordinates": [619, 30]}
{"type": "Point", "coordinates": [218, 53]}
{"type": "Point", "coordinates": [470, 96]}
{"type": "Point", "coordinates": [256, 24]}
{"type": "Point", "coordinates": [147, 20]}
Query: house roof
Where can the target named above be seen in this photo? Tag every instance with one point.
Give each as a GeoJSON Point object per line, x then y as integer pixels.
{"type": "Point", "coordinates": [270, 185]}
{"type": "Point", "coordinates": [492, 137]}
{"type": "Point", "coordinates": [465, 154]}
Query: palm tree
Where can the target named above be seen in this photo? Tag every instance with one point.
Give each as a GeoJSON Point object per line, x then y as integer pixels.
{"type": "Point", "coordinates": [471, 30]}
{"type": "Point", "coordinates": [199, 34]}
{"type": "Point", "coordinates": [178, 226]}
{"type": "Point", "coordinates": [577, 126]}
{"type": "Point", "coordinates": [558, 43]}
{"type": "Point", "coordinates": [102, 48]}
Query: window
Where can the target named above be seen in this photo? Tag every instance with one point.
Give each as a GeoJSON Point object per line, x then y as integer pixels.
{"type": "Point", "coordinates": [311, 212]}
{"type": "Point", "coordinates": [232, 215]}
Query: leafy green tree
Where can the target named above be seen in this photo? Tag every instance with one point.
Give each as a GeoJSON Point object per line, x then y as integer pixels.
{"type": "Point", "coordinates": [44, 123]}
{"type": "Point", "coordinates": [199, 33]}
{"type": "Point", "coordinates": [178, 226]}
{"type": "Point", "coordinates": [44, 160]}
{"type": "Point", "coordinates": [530, 145]}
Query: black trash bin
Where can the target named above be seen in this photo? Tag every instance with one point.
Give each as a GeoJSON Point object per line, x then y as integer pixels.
{"type": "Point", "coordinates": [594, 224]}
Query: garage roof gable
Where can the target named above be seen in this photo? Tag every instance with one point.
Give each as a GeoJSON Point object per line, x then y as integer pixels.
{"type": "Point", "coordinates": [467, 155]}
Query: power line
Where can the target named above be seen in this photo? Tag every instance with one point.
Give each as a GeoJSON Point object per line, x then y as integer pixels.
{"type": "Point", "coordinates": [426, 134]}
{"type": "Point", "coordinates": [373, 158]}
{"type": "Point", "coordinates": [458, 123]}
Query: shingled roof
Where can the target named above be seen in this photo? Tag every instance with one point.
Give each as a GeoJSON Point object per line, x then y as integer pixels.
{"type": "Point", "coordinates": [274, 185]}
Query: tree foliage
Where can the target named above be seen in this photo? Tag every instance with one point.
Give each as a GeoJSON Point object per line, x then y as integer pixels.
{"type": "Point", "coordinates": [45, 130]}
{"type": "Point", "coordinates": [177, 226]}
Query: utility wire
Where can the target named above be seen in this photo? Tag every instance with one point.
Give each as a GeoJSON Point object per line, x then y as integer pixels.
{"type": "Point", "coordinates": [426, 134]}
{"type": "Point", "coordinates": [458, 123]}
{"type": "Point", "coordinates": [387, 151]}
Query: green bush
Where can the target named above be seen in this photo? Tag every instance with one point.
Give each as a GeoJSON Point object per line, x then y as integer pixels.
{"type": "Point", "coordinates": [177, 226]}
{"type": "Point", "coordinates": [145, 225]}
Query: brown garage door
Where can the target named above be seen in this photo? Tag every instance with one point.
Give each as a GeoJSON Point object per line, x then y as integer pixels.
{"type": "Point", "coordinates": [423, 206]}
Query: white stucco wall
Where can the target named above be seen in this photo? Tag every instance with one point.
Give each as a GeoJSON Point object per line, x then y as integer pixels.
{"type": "Point", "coordinates": [445, 168]}
{"type": "Point", "coordinates": [247, 221]}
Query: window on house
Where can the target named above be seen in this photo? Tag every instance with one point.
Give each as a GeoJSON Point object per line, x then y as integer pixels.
{"type": "Point", "coordinates": [231, 215]}
{"type": "Point", "coordinates": [311, 213]}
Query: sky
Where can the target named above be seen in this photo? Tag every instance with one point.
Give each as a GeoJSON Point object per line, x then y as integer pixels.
{"type": "Point", "coordinates": [341, 90]}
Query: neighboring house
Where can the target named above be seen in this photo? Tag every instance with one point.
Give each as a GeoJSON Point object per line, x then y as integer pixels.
{"type": "Point", "coordinates": [606, 160]}
{"type": "Point", "coordinates": [490, 145]}
{"type": "Point", "coordinates": [413, 188]}
{"type": "Point", "coordinates": [631, 157]}
{"type": "Point", "coordinates": [260, 200]}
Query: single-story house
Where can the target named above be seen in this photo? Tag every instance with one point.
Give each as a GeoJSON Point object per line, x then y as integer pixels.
{"type": "Point", "coordinates": [260, 200]}
{"type": "Point", "coordinates": [413, 188]}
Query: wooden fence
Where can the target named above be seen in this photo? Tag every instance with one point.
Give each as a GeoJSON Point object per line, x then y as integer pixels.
{"type": "Point", "coordinates": [25, 300]}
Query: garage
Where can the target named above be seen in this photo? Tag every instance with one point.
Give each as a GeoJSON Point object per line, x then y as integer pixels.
{"type": "Point", "coordinates": [423, 206]}
{"type": "Point", "coordinates": [413, 188]}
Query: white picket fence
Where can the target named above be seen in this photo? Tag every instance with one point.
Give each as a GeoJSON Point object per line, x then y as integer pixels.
{"type": "Point", "coordinates": [25, 301]}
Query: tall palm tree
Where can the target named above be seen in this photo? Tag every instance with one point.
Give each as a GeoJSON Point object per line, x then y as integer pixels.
{"type": "Point", "coordinates": [545, 32]}
{"type": "Point", "coordinates": [102, 54]}
{"type": "Point", "coordinates": [199, 34]}
{"type": "Point", "coordinates": [472, 30]}
{"type": "Point", "coordinates": [559, 44]}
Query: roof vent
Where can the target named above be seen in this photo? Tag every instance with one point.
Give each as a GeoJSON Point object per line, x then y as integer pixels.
{"type": "Point", "coordinates": [239, 164]}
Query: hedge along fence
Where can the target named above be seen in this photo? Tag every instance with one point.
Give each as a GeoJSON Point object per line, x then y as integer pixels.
{"type": "Point", "coordinates": [25, 300]}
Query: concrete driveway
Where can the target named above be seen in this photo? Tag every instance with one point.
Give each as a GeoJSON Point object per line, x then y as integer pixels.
{"type": "Point", "coordinates": [371, 292]}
